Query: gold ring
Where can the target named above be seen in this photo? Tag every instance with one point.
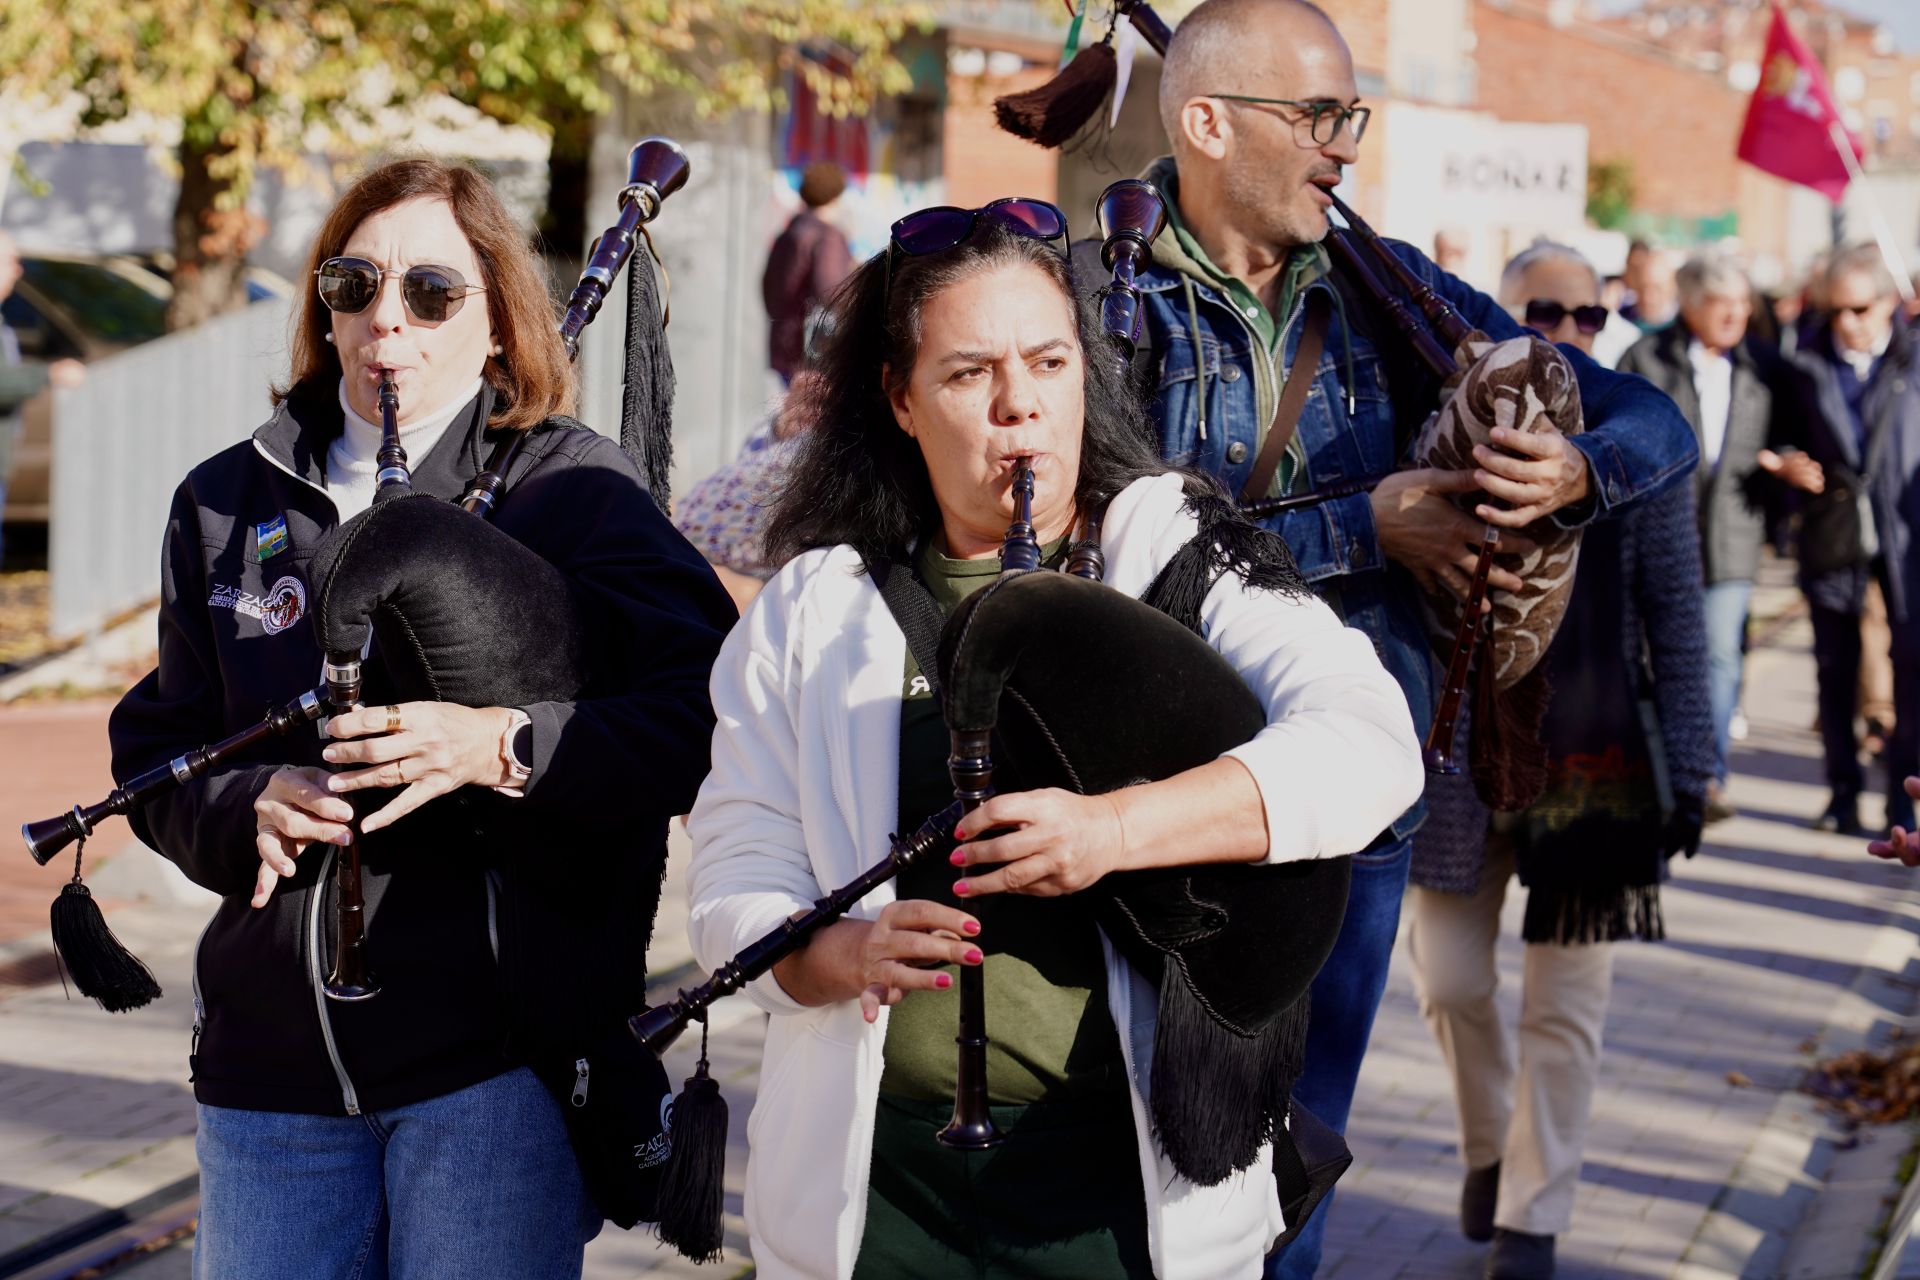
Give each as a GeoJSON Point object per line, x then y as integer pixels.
{"type": "Point", "coordinates": [393, 718]}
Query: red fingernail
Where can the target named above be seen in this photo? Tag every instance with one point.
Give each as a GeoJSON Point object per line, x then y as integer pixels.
{"type": "Point", "coordinates": [960, 887]}
{"type": "Point", "coordinates": [973, 955]}
{"type": "Point", "coordinates": [942, 981]}
{"type": "Point", "coordinates": [957, 858]}
{"type": "Point", "coordinates": [971, 926]}
{"type": "Point", "coordinates": [958, 834]}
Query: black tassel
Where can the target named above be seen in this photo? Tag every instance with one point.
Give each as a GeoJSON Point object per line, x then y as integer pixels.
{"type": "Point", "coordinates": [1226, 542]}
{"type": "Point", "coordinates": [646, 399]}
{"type": "Point", "coordinates": [101, 967]}
{"type": "Point", "coordinates": [1218, 1096]}
{"type": "Point", "coordinates": [692, 1190]}
{"type": "Point", "coordinates": [1059, 109]}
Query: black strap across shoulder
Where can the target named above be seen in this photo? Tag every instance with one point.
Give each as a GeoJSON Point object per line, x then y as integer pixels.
{"type": "Point", "coordinates": [915, 610]}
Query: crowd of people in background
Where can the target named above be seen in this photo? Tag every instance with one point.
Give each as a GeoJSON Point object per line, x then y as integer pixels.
{"type": "Point", "coordinates": [1803, 403]}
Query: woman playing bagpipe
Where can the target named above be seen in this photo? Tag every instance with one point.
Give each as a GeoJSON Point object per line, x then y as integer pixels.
{"type": "Point", "coordinates": [506, 892]}
{"type": "Point", "coordinates": [961, 360]}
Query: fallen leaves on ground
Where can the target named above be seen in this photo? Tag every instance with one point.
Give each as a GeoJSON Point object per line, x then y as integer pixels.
{"type": "Point", "coordinates": [1867, 1087]}
{"type": "Point", "coordinates": [23, 616]}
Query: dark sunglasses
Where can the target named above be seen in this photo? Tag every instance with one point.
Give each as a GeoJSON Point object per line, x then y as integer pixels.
{"type": "Point", "coordinates": [432, 294]}
{"type": "Point", "coordinates": [1860, 310]}
{"type": "Point", "coordinates": [1545, 315]}
{"type": "Point", "coordinates": [939, 229]}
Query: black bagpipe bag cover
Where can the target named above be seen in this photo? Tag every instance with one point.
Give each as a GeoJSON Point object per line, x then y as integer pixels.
{"type": "Point", "coordinates": [1088, 689]}
{"type": "Point", "coordinates": [461, 612]}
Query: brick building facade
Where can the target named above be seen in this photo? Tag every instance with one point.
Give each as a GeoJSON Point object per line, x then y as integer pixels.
{"type": "Point", "coordinates": [1673, 122]}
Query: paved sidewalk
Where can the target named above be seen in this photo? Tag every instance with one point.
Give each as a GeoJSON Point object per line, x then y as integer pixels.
{"type": "Point", "coordinates": [1785, 946]}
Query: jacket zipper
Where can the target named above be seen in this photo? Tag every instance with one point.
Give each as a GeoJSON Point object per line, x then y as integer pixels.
{"type": "Point", "coordinates": [493, 915]}
{"type": "Point", "coordinates": [199, 1005]}
{"type": "Point", "coordinates": [580, 1070]}
{"type": "Point", "coordinates": [347, 1094]}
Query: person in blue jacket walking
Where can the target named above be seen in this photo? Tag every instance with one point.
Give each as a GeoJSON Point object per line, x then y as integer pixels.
{"type": "Point", "coordinates": [1259, 100]}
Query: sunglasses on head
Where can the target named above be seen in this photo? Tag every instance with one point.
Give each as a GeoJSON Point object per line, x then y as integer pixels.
{"type": "Point", "coordinates": [939, 229]}
{"type": "Point", "coordinates": [1545, 315]}
{"type": "Point", "coordinates": [431, 293]}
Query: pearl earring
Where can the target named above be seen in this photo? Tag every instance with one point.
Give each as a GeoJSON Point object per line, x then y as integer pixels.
{"type": "Point", "coordinates": [498, 349]}
{"type": "Point", "coordinates": [329, 337]}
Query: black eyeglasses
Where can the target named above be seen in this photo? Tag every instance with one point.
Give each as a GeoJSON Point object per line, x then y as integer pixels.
{"type": "Point", "coordinates": [431, 293]}
{"type": "Point", "coordinates": [1545, 315]}
{"type": "Point", "coordinates": [1324, 119]}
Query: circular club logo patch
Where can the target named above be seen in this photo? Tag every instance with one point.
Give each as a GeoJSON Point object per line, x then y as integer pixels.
{"type": "Point", "coordinates": [286, 604]}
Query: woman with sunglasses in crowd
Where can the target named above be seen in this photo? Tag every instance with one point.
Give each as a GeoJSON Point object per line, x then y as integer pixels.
{"type": "Point", "coordinates": [404, 1135]}
{"type": "Point", "coordinates": [1629, 745]}
{"type": "Point", "coordinates": [958, 352]}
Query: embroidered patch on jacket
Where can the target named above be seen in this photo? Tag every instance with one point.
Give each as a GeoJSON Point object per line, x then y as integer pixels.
{"type": "Point", "coordinates": [284, 604]}
{"type": "Point", "coordinates": [269, 539]}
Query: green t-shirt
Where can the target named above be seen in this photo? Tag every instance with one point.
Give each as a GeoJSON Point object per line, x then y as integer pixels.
{"type": "Point", "coordinates": [1048, 1033]}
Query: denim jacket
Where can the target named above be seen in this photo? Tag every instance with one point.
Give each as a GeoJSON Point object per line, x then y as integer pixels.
{"type": "Point", "coordinates": [1636, 441]}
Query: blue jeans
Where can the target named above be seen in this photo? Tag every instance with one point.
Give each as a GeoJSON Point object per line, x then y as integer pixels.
{"type": "Point", "coordinates": [1346, 995]}
{"type": "Point", "coordinates": [1726, 636]}
{"type": "Point", "coordinates": [479, 1182]}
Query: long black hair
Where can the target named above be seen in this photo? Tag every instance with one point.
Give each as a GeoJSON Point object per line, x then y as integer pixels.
{"type": "Point", "coordinates": [858, 478]}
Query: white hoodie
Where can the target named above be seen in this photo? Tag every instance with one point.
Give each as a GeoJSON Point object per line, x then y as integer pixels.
{"type": "Point", "coordinates": [803, 794]}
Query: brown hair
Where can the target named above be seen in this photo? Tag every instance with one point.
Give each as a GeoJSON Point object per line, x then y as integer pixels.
{"type": "Point", "coordinates": [532, 379]}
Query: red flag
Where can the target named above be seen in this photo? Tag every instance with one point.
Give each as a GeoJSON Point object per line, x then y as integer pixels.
{"type": "Point", "coordinates": [1792, 122]}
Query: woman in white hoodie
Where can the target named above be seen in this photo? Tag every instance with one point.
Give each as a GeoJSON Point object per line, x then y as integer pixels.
{"type": "Point", "coordinates": [959, 351]}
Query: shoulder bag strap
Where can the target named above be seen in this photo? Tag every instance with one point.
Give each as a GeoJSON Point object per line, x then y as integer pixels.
{"type": "Point", "coordinates": [1293, 398]}
{"type": "Point", "coordinates": [916, 611]}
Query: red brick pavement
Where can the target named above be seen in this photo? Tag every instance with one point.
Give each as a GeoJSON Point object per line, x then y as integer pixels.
{"type": "Point", "coordinates": [55, 756]}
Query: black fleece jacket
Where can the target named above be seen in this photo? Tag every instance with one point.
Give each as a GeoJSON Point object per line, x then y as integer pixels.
{"type": "Point", "coordinates": [501, 930]}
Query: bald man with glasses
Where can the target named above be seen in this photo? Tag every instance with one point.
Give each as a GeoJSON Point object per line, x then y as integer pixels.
{"type": "Point", "coordinates": [1260, 102]}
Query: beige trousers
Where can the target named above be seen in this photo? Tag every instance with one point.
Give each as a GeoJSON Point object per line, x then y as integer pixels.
{"type": "Point", "coordinates": [1530, 1115]}
{"type": "Point", "coordinates": [1876, 660]}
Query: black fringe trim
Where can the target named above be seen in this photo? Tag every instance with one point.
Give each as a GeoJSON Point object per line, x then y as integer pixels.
{"type": "Point", "coordinates": [646, 398]}
{"type": "Point", "coordinates": [1226, 542]}
{"type": "Point", "coordinates": [1569, 915]}
{"type": "Point", "coordinates": [1218, 1097]}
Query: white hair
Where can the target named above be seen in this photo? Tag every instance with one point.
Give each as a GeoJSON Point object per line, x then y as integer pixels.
{"type": "Point", "coordinates": [1515, 272]}
{"type": "Point", "coordinates": [1864, 260]}
{"type": "Point", "coordinates": [1709, 275]}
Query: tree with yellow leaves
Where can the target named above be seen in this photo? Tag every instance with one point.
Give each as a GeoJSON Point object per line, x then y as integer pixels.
{"type": "Point", "coordinates": [261, 83]}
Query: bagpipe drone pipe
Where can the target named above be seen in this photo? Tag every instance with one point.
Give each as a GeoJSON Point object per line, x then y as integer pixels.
{"type": "Point", "coordinates": [1523, 384]}
{"type": "Point", "coordinates": [1054, 679]}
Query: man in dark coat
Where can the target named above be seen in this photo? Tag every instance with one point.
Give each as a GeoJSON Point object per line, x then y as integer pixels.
{"type": "Point", "coordinates": [807, 262]}
{"type": "Point", "coordinates": [1725, 385]}
{"type": "Point", "coordinates": [1858, 415]}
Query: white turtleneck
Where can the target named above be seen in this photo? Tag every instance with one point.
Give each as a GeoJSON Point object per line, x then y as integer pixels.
{"type": "Point", "coordinates": [351, 461]}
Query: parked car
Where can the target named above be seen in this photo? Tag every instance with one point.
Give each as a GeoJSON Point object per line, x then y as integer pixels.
{"type": "Point", "coordinates": [71, 306]}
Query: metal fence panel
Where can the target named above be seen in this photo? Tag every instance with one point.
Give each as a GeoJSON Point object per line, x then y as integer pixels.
{"type": "Point", "coordinates": [126, 437]}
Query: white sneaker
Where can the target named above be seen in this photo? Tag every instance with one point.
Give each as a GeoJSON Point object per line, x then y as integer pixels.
{"type": "Point", "coordinates": [1737, 727]}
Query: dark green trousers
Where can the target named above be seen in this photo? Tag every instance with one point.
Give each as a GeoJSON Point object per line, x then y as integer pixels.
{"type": "Point", "coordinates": [1060, 1199]}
